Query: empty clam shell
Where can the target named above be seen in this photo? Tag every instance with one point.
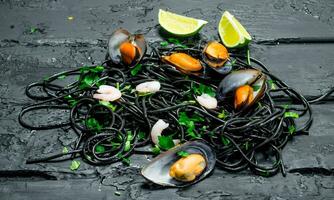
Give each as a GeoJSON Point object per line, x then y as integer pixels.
{"type": "Point", "coordinates": [157, 170]}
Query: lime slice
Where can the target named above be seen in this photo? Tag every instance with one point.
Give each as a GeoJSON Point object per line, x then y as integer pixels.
{"type": "Point", "coordinates": [231, 32]}
{"type": "Point", "coordinates": [180, 25]}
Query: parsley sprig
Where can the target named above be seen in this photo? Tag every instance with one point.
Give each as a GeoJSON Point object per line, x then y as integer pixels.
{"type": "Point", "coordinates": [189, 123]}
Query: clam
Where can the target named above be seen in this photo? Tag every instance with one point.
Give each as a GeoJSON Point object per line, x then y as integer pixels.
{"type": "Point", "coordinates": [167, 170]}
{"type": "Point", "coordinates": [215, 54]}
{"type": "Point", "coordinates": [243, 96]}
{"type": "Point", "coordinates": [126, 48]}
{"type": "Point", "coordinates": [247, 85]}
{"type": "Point", "coordinates": [186, 169]}
{"type": "Point", "coordinates": [183, 62]}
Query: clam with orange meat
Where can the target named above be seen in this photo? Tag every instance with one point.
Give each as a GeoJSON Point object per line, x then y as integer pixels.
{"type": "Point", "coordinates": [169, 169]}
{"type": "Point", "coordinates": [126, 48]}
{"type": "Point", "coordinates": [248, 86]}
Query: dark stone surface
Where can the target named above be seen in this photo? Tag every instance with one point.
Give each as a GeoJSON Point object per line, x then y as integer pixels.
{"type": "Point", "coordinates": [60, 44]}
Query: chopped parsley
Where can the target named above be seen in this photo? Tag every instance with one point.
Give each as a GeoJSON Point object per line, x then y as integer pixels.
{"type": "Point", "coordinates": [256, 87]}
{"type": "Point", "coordinates": [156, 150]}
{"type": "Point", "coordinates": [164, 43]}
{"type": "Point", "coordinates": [222, 114]}
{"type": "Point", "coordinates": [291, 115]}
{"type": "Point", "coordinates": [225, 141]}
{"type": "Point", "coordinates": [136, 69]}
{"type": "Point", "coordinates": [204, 89]}
{"type": "Point", "coordinates": [65, 150]}
{"type": "Point", "coordinates": [176, 42]}
{"type": "Point", "coordinates": [109, 105]}
{"type": "Point", "coordinates": [100, 149]}
{"type": "Point", "coordinates": [93, 124]}
{"type": "Point", "coordinates": [183, 154]}
{"type": "Point", "coordinates": [74, 165]}
{"type": "Point", "coordinates": [292, 129]}
{"type": "Point", "coordinates": [166, 142]}
{"type": "Point", "coordinates": [189, 123]}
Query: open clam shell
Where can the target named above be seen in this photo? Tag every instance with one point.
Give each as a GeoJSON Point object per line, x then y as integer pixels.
{"type": "Point", "coordinates": [215, 54]}
{"type": "Point", "coordinates": [157, 170]}
{"type": "Point", "coordinates": [259, 88]}
{"type": "Point", "coordinates": [262, 87]}
{"type": "Point", "coordinates": [236, 79]}
{"type": "Point", "coordinates": [121, 36]}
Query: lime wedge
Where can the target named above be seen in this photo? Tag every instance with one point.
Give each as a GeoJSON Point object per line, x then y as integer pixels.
{"type": "Point", "coordinates": [180, 25]}
{"type": "Point", "coordinates": [231, 32]}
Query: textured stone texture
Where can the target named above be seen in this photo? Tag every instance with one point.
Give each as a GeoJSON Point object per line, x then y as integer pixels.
{"type": "Point", "coordinates": [61, 44]}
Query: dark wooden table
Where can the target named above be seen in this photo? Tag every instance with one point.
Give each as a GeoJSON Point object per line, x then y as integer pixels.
{"type": "Point", "coordinates": [38, 39]}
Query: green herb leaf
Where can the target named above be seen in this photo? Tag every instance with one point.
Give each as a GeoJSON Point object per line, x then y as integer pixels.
{"type": "Point", "coordinates": [125, 160]}
{"type": "Point", "coordinates": [136, 69]}
{"type": "Point", "coordinates": [246, 145]}
{"type": "Point", "coordinates": [109, 105]}
{"type": "Point", "coordinates": [100, 149]}
{"type": "Point", "coordinates": [88, 80]}
{"type": "Point", "coordinates": [271, 84]}
{"type": "Point", "coordinates": [203, 129]}
{"type": "Point", "coordinates": [74, 165]}
{"type": "Point", "coordinates": [176, 42]}
{"type": "Point", "coordinates": [265, 173]}
{"type": "Point", "coordinates": [65, 150]}
{"type": "Point", "coordinates": [97, 69]}
{"type": "Point", "coordinates": [129, 138]}
{"type": "Point", "coordinates": [156, 150]}
{"type": "Point", "coordinates": [166, 142]}
{"type": "Point", "coordinates": [248, 57]}
{"type": "Point", "coordinates": [127, 87]}
{"type": "Point", "coordinates": [142, 94]}
{"type": "Point", "coordinates": [189, 123]}
{"type": "Point", "coordinates": [88, 157]}
{"type": "Point", "coordinates": [225, 141]}
{"type": "Point", "coordinates": [285, 106]}
{"type": "Point", "coordinates": [173, 40]}
{"type": "Point", "coordinates": [183, 154]}
{"type": "Point", "coordinates": [204, 89]}
{"type": "Point", "coordinates": [62, 77]}
{"type": "Point", "coordinates": [90, 76]}
{"type": "Point", "coordinates": [127, 146]}
{"type": "Point", "coordinates": [164, 43]}
{"type": "Point", "coordinates": [256, 87]}
{"type": "Point", "coordinates": [291, 114]}
{"type": "Point", "coordinates": [71, 100]}
{"type": "Point", "coordinates": [93, 124]}
{"type": "Point", "coordinates": [292, 129]}
{"type": "Point", "coordinates": [33, 29]}
{"type": "Point", "coordinates": [141, 135]}
{"type": "Point", "coordinates": [222, 114]}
